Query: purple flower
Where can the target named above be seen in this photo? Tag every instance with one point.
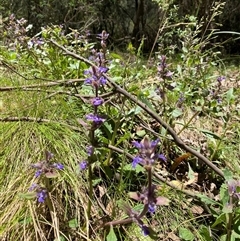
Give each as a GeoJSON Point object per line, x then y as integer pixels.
{"type": "Point", "coordinates": [136, 160]}
{"type": "Point", "coordinates": [162, 157]}
{"type": "Point", "coordinates": [151, 207]}
{"type": "Point", "coordinates": [147, 154]}
{"type": "Point", "coordinates": [103, 36]}
{"type": "Point", "coordinates": [58, 166]}
{"type": "Point", "coordinates": [83, 165]}
{"type": "Point", "coordinates": [221, 78]}
{"type": "Point", "coordinates": [38, 173]}
{"type": "Point", "coordinates": [97, 101]}
{"type": "Point", "coordinates": [102, 80]}
{"type": "Point", "coordinates": [41, 195]}
{"type": "Point", "coordinates": [137, 144]}
{"type": "Point", "coordinates": [154, 143]}
{"type": "Point", "coordinates": [33, 187]}
{"type": "Point", "coordinates": [234, 188]}
{"type": "Point", "coordinates": [90, 150]}
{"type": "Point", "coordinates": [163, 68]}
{"type": "Point", "coordinates": [145, 230]}
{"type": "Point", "coordinates": [95, 118]}
{"type": "Point", "coordinates": [102, 70]}
{"type": "Point", "coordinates": [145, 143]}
{"type": "Point", "coordinates": [96, 77]}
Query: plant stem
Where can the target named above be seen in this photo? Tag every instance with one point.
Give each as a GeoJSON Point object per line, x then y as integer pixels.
{"type": "Point", "coordinates": [90, 183]}
{"type": "Point", "coordinates": [229, 222]}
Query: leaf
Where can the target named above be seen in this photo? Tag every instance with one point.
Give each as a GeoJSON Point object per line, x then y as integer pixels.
{"type": "Point", "coordinates": [108, 129]}
{"type": "Point", "coordinates": [61, 238]}
{"type": "Point", "coordinates": [197, 209]}
{"type": "Point", "coordinates": [186, 234]}
{"type": "Point", "coordinates": [52, 174]}
{"type": "Point", "coordinates": [178, 160]}
{"type": "Point", "coordinates": [227, 208]}
{"type": "Point", "coordinates": [230, 95]}
{"type": "Point", "coordinates": [205, 232]}
{"type": "Point", "coordinates": [162, 201]}
{"type": "Point", "coordinates": [224, 196]}
{"type": "Point", "coordinates": [73, 223]}
{"type": "Point", "coordinates": [191, 173]}
{"type": "Point", "coordinates": [28, 196]}
{"type": "Point", "coordinates": [227, 174]}
{"type": "Point", "coordinates": [210, 134]}
{"type": "Point", "coordinates": [207, 200]}
{"type": "Point", "coordinates": [177, 184]}
{"type": "Point", "coordinates": [235, 235]}
{"type": "Point", "coordinates": [141, 133]}
{"type": "Point", "coordinates": [176, 113]}
{"type": "Point", "coordinates": [111, 235]}
{"type": "Point", "coordinates": [137, 169]}
{"type": "Point", "coordinates": [220, 219]}
{"type": "Point", "coordinates": [145, 101]}
{"type": "Point", "coordinates": [134, 195]}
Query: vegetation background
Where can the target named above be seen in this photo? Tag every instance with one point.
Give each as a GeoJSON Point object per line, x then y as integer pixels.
{"type": "Point", "coordinates": [173, 75]}
{"type": "Point", "coordinates": [127, 20]}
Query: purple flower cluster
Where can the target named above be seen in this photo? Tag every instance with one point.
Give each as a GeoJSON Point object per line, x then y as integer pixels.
{"type": "Point", "coordinates": [96, 77]}
{"type": "Point", "coordinates": [83, 165]}
{"type": "Point", "coordinates": [35, 42]}
{"type": "Point", "coordinates": [148, 197]}
{"type": "Point", "coordinates": [47, 168]}
{"type": "Point", "coordinates": [234, 188]}
{"type": "Point", "coordinates": [163, 68]}
{"type": "Point", "coordinates": [41, 193]}
{"type": "Point", "coordinates": [96, 119]}
{"type": "Point", "coordinates": [147, 155]}
{"type": "Point", "coordinates": [220, 79]}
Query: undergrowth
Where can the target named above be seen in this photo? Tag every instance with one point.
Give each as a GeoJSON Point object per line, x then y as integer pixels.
{"type": "Point", "coordinates": [157, 158]}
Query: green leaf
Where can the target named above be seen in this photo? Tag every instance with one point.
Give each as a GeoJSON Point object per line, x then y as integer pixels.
{"type": "Point", "coordinates": [29, 195]}
{"type": "Point", "coordinates": [108, 129]}
{"type": "Point", "coordinates": [138, 168]}
{"type": "Point", "coordinates": [126, 136]}
{"type": "Point", "coordinates": [141, 133]}
{"type": "Point", "coordinates": [111, 235]}
{"type": "Point", "coordinates": [235, 235]}
{"type": "Point", "coordinates": [61, 238]}
{"type": "Point", "coordinates": [205, 233]}
{"type": "Point", "coordinates": [227, 174]}
{"type": "Point", "coordinates": [207, 200]}
{"type": "Point", "coordinates": [224, 196]}
{"type": "Point", "coordinates": [227, 208]}
{"type": "Point", "coordinates": [210, 134]}
{"type": "Point", "coordinates": [190, 175]}
{"type": "Point", "coordinates": [186, 234]}
{"type": "Point", "coordinates": [176, 113]}
{"type": "Point", "coordinates": [223, 237]}
{"type": "Point", "coordinates": [230, 95]}
{"type": "Point", "coordinates": [73, 223]}
{"type": "Point", "coordinates": [145, 101]}
{"type": "Point", "coordinates": [220, 219]}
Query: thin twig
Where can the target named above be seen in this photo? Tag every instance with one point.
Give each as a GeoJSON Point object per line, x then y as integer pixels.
{"type": "Point", "coordinates": [50, 84]}
{"type": "Point", "coordinates": [13, 70]}
{"type": "Point", "coordinates": [38, 120]}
